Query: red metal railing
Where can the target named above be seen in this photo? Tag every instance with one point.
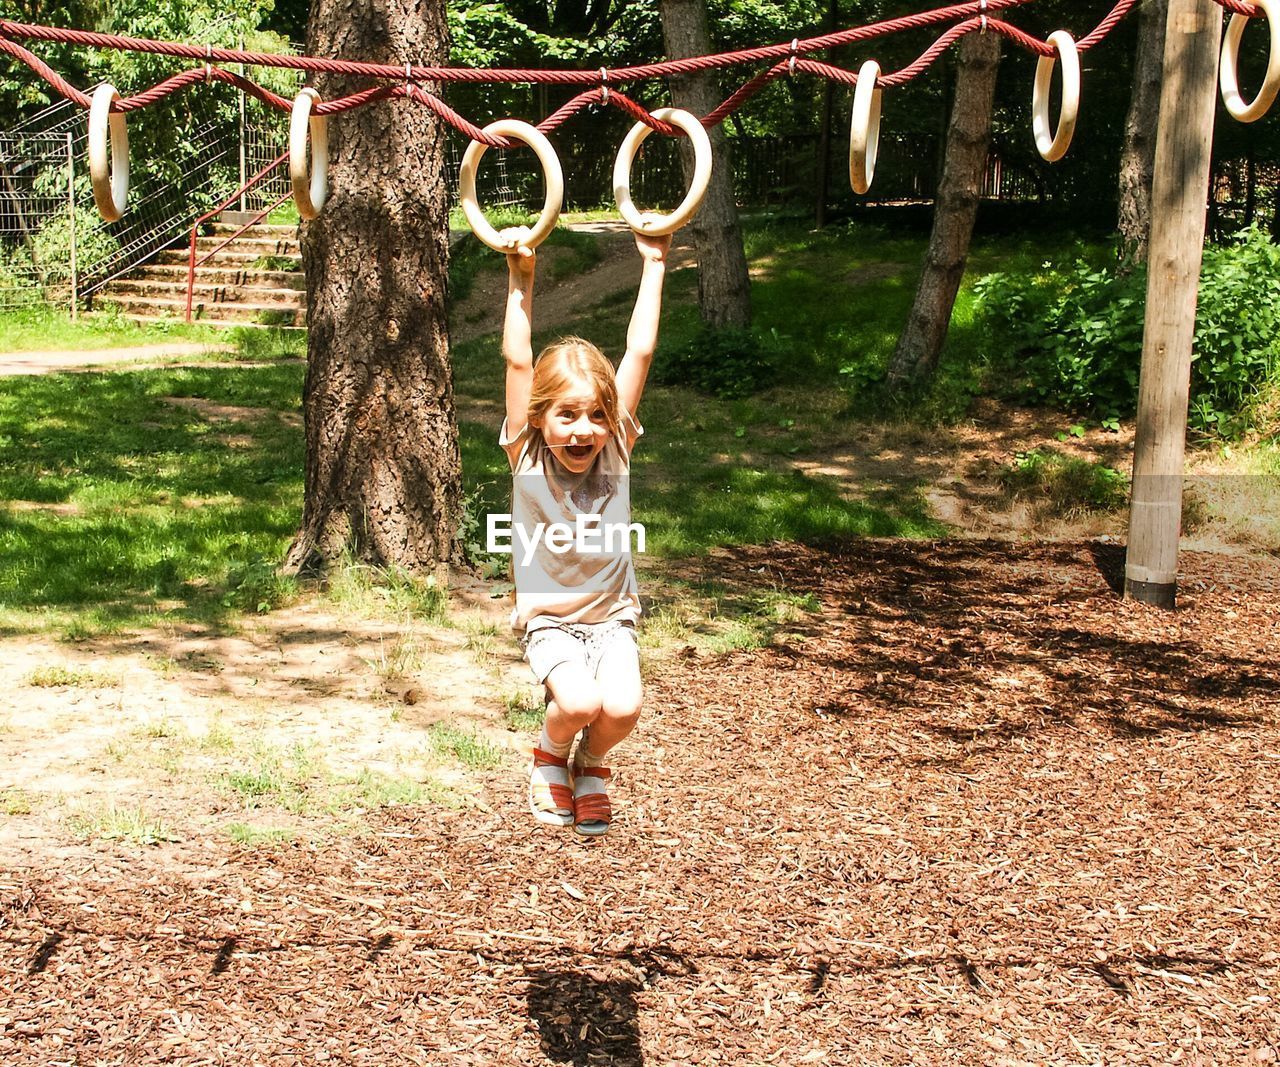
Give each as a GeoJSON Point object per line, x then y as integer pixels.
{"type": "Point", "coordinates": [192, 262]}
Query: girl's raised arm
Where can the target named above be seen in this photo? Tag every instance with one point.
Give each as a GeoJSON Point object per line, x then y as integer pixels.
{"type": "Point", "coordinates": [642, 334]}
{"type": "Point", "coordinates": [517, 334]}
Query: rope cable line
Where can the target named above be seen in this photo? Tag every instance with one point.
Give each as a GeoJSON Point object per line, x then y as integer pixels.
{"type": "Point", "coordinates": [600, 87]}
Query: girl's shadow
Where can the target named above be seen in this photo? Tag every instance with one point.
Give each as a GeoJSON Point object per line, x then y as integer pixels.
{"type": "Point", "coordinates": [585, 1021]}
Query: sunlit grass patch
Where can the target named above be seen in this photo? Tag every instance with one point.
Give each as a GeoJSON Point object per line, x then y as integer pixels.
{"type": "Point", "coordinates": [468, 747]}
{"type": "Point", "coordinates": [15, 801]}
{"type": "Point", "coordinates": [44, 327]}
{"type": "Point", "coordinates": [131, 824]}
{"type": "Point", "coordinates": [289, 779]}
{"type": "Point", "coordinates": [72, 678]}
{"type": "Point", "coordinates": [257, 836]}
{"type": "Point", "coordinates": [376, 591]}
{"type": "Point", "coordinates": [524, 711]}
{"type": "Point", "coordinates": [372, 789]}
{"type": "Point", "coordinates": [1062, 486]}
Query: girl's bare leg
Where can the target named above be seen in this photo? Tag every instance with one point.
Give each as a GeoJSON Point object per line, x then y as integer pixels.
{"type": "Point", "coordinates": [573, 701]}
{"type": "Point", "coordinates": [621, 696]}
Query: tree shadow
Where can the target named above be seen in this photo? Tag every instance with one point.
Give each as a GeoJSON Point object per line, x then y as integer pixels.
{"type": "Point", "coordinates": [583, 1019]}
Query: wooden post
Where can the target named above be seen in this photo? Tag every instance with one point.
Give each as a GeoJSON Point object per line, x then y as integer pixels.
{"type": "Point", "coordinates": [1179, 196]}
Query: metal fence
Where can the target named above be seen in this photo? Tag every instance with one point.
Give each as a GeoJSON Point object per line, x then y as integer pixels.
{"type": "Point", "coordinates": [37, 219]}
{"type": "Point", "coordinates": [49, 200]}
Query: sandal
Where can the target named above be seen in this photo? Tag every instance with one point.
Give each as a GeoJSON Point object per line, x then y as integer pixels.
{"type": "Point", "coordinates": [591, 811]}
{"type": "Point", "coordinates": [550, 791]}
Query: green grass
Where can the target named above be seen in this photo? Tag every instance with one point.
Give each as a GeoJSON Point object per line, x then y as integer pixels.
{"type": "Point", "coordinates": [72, 678]}
{"type": "Point", "coordinates": [47, 328]}
{"type": "Point", "coordinates": [1064, 486]}
{"type": "Point", "coordinates": [375, 591]}
{"type": "Point", "coordinates": [524, 712]}
{"type": "Point", "coordinates": [131, 824]}
{"type": "Point", "coordinates": [136, 509]}
{"type": "Point", "coordinates": [466, 746]}
{"type": "Point", "coordinates": [257, 837]}
{"type": "Point", "coordinates": [570, 253]}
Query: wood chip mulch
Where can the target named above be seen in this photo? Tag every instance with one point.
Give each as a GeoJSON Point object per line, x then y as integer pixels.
{"type": "Point", "coordinates": [979, 810]}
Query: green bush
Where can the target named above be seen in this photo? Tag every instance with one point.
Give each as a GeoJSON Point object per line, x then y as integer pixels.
{"type": "Point", "coordinates": [1073, 339]}
{"type": "Point", "coordinates": [728, 363]}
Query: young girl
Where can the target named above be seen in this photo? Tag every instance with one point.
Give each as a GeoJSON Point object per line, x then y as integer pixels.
{"type": "Point", "coordinates": [570, 427]}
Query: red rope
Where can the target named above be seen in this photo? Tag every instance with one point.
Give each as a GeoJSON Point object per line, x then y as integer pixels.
{"type": "Point", "coordinates": [975, 15]}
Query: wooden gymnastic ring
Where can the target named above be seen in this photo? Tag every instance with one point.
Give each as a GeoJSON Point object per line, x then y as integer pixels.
{"type": "Point", "coordinates": [552, 176]}
{"type": "Point", "coordinates": [309, 192]}
{"type": "Point", "coordinates": [1229, 78]}
{"type": "Point", "coordinates": [1054, 147]}
{"type": "Point", "coordinates": [652, 223]}
{"type": "Point", "coordinates": [864, 128]}
{"type": "Point", "coordinates": [110, 179]}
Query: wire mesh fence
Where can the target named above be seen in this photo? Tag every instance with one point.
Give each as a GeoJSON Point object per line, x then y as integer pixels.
{"type": "Point", "coordinates": [37, 218]}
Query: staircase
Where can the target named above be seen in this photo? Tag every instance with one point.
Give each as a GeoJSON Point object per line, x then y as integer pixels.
{"type": "Point", "coordinates": [256, 280]}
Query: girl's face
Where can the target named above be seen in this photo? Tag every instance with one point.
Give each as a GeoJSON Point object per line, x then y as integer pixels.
{"type": "Point", "coordinates": [575, 427]}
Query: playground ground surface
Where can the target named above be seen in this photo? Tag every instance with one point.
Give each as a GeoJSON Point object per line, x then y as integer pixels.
{"type": "Point", "coordinates": [891, 801]}
{"type": "Point", "coordinates": [965, 806]}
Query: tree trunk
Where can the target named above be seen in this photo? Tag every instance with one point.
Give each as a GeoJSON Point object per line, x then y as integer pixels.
{"type": "Point", "coordinates": [724, 293]}
{"type": "Point", "coordinates": [1250, 189]}
{"type": "Point", "coordinates": [1137, 157]}
{"type": "Point", "coordinates": [383, 472]}
{"type": "Point", "coordinates": [956, 208]}
{"type": "Point", "coordinates": [824, 132]}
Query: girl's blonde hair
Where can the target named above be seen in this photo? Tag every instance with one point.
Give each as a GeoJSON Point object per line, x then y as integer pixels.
{"type": "Point", "coordinates": [566, 364]}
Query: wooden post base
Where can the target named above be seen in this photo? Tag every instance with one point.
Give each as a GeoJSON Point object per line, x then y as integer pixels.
{"type": "Point", "coordinates": [1158, 594]}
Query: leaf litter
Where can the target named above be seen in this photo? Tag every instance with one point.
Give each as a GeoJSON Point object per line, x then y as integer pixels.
{"type": "Point", "coordinates": [976, 809]}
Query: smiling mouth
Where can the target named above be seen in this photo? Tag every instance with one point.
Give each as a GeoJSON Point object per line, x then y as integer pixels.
{"type": "Point", "coordinates": [578, 451]}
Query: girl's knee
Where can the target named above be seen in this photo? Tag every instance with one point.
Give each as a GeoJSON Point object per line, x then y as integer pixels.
{"type": "Point", "coordinates": [622, 707]}
{"type": "Point", "coordinates": [581, 703]}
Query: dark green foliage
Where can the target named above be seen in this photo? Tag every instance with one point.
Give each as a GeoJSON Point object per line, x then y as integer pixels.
{"type": "Point", "coordinates": [1073, 338]}
{"type": "Point", "coordinates": [728, 363]}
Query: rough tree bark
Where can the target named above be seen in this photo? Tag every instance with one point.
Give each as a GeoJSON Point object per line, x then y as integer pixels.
{"type": "Point", "coordinates": [1137, 157]}
{"type": "Point", "coordinates": [724, 293]}
{"type": "Point", "coordinates": [383, 472]}
{"type": "Point", "coordinates": [956, 208]}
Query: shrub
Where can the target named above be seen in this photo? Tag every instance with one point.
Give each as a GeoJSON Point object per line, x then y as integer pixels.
{"type": "Point", "coordinates": [728, 363]}
{"type": "Point", "coordinates": [1073, 338]}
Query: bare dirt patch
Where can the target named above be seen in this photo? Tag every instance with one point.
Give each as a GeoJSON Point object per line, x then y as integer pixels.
{"type": "Point", "coordinates": [51, 361]}
{"type": "Point", "coordinates": [230, 412]}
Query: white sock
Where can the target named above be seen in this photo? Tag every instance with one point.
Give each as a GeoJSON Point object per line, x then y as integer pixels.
{"type": "Point", "coordinates": [547, 745]}
{"type": "Point", "coordinates": [584, 757]}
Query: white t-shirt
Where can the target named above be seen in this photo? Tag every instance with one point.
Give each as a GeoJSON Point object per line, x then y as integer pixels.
{"type": "Point", "coordinates": [572, 586]}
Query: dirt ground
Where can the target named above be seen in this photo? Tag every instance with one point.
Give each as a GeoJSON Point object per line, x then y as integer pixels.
{"type": "Point", "coordinates": [974, 810]}
{"type": "Point", "coordinates": [966, 806]}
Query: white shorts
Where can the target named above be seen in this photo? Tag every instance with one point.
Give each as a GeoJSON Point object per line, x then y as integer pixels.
{"type": "Point", "coordinates": [586, 644]}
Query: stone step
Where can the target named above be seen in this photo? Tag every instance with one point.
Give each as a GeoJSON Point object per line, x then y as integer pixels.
{"type": "Point", "coordinates": [232, 255]}
{"type": "Point", "coordinates": [259, 229]}
{"type": "Point", "coordinates": [206, 293]}
{"type": "Point", "coordinates": [207, 322]}
{"type": "Point", "coordinates": [265, 246]}
{"type": "Point", "coordinates": [214, 275]}
{"type": "Point", "coordinates": [230, 314]}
